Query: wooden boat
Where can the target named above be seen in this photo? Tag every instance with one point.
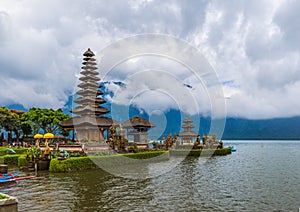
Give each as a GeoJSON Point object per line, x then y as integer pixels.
{"type": "Point", "coordinates": [9, 178]}
{"type": "Point", "coordinates": [25, 177]}
{"type": "Point", "coordinates": [4, 181]}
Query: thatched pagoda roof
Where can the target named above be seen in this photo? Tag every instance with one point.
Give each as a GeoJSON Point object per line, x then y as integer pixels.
{"type": "Point", "coordinates": [188, 134]}
{"type": "Point", "coordinates": [89, 99]}
{"type": "Point", "coordinates": [88, 109]}
{"type": "Point", "coordinates": [187, 120]}
{"type": "Point", "coordinates": [89, 72]}
{"type": "Point", "coordinates": [188, 126]}
{"type": "Point", "coordinates": [89, 68]}
{"type": "Point", "coordinates": [88, 121]}
{"type": "Point", "coordinates": [89, 92]}
{"type": "Point", "coordinates": [89, 63]}
{"type": "Point", "coordinates": [88, 84]}
{"type": "Point", "coordinates": [90, 78]}
{"type": "Point", "coordinates": [88, 53]}
{"type": "Point", "coordinates": [89, 59]}
{"type": "Point", "coordinates": [138, 122]}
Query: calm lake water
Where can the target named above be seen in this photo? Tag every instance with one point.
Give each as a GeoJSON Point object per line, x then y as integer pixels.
{"type": "Point", "coordinates": [260, 176]}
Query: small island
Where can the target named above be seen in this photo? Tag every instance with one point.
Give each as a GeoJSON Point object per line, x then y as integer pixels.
{"type": "Point", "coordinates": [97, 135]}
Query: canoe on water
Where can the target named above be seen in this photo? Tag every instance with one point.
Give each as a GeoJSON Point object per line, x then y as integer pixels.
{"type": "Point", "coordinates": [2, 181]}
{"type": "Point", "coordinates": [9, 178]}
{"type": "Point", "coordinates": [25, 177]}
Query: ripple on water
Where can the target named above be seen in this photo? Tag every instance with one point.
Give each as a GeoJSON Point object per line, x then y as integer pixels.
{"type": "Point", "coordinates": [255, 178]}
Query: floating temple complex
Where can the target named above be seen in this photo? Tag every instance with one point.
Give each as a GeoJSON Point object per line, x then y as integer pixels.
{"type": "Point", "coordinates": [89, 121]}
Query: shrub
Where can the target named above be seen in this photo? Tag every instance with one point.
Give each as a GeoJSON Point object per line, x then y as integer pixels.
{"type": "Point", "coordinates": [22, 161]}
{"type": "Point", "coordinates": [199, 152]}
{"type": "Point", "coordinates": [17, 150]}
{"type": "Point", "coordinates": [82, 163]}
{"type": "Point", "coordinates": [145, 155]}
{"type": "Point", "coordinates": [223, 151]}
{"type": "Point", "coordinates": [2, 151]}
{"type": "Point", "coordinates": [11, 159]}
{"type": "Point", "coordinates": [20, 150]}
{"type": "Point", "coordinates": [71, 164]}
{"type": "Point", "coordinates": [76, 154]}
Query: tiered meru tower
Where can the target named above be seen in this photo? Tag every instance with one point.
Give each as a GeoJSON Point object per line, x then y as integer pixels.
{"type": "Point", "coordinates": [187, 135]}
{"type": "Point", "coordinates": [89, 121]}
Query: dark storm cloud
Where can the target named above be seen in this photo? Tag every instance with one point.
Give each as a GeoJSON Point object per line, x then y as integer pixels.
{"type": "Point", "coordinates": [252, 44]}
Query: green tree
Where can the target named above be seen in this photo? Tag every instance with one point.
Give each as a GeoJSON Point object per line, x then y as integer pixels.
{"type": "Point", "coordinates": [25, 125]}
{"type": "Point", "coordinates": [3, 114]}
{"type": "Point", "coordinates": [46, 119]}
{"type": "Point", "coordinates": [10, 122]}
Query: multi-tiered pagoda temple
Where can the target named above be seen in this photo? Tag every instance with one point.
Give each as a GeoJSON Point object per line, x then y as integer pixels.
{"type": "Point", "coordinates": [89, 121]}
{"type": "Point", "coordinates": [187, 135]}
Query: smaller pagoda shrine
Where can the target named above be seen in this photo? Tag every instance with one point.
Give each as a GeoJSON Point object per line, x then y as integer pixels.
{"type": "Point", "coordinates": [138, 128]}
{"type": "Point", "coordinates": [187, 135]}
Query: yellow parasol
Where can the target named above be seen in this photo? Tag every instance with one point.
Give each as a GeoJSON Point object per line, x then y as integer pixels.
{"type": "Point", "coordinates": [48, 135]}
{"type": "Point", "coordinates": [38, 136]}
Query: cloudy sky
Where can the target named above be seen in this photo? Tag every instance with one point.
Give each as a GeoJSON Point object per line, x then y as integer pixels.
{"type": "Point", "coordinates": [253, 47]}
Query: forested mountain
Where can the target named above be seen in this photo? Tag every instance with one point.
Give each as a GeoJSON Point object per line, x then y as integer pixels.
{"type": "Point", "coordinates": [235, 128]}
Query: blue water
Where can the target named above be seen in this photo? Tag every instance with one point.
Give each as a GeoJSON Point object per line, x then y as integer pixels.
{"type": "Point", "coordinates": [259, 176]}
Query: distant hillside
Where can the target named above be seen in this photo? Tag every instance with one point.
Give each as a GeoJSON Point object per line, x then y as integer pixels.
{"type": "Point", "coordinates": [243, 129]}
{"type": "Point", "coordinates": [235, 128]}
{"type": "Point", "coordinates": [273, 129]}
{"type": "Point", "coordinates": [16, 107]}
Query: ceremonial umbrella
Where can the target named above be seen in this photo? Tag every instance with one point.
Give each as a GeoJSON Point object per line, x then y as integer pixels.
{"type": "Point", "coordinates": [48, 135]}
{"type": "Point", "coordinates": [38, 136]}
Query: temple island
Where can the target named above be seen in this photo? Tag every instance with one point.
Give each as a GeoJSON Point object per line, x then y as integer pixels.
{"type": "Point", "coordinates": [97, 134]}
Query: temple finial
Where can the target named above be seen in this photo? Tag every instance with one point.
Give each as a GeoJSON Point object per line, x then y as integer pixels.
{"type": "Point", "coordinates": [89, 53]}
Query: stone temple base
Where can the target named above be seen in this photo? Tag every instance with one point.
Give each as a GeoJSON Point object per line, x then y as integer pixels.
{"type": "Point", "coordinates": [96, 148]}
{"type": "Point", "coordinates": [10, 204]}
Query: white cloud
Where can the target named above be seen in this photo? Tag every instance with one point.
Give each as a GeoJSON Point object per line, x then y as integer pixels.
{"type": "Point", "coordinates": [252, 45]}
